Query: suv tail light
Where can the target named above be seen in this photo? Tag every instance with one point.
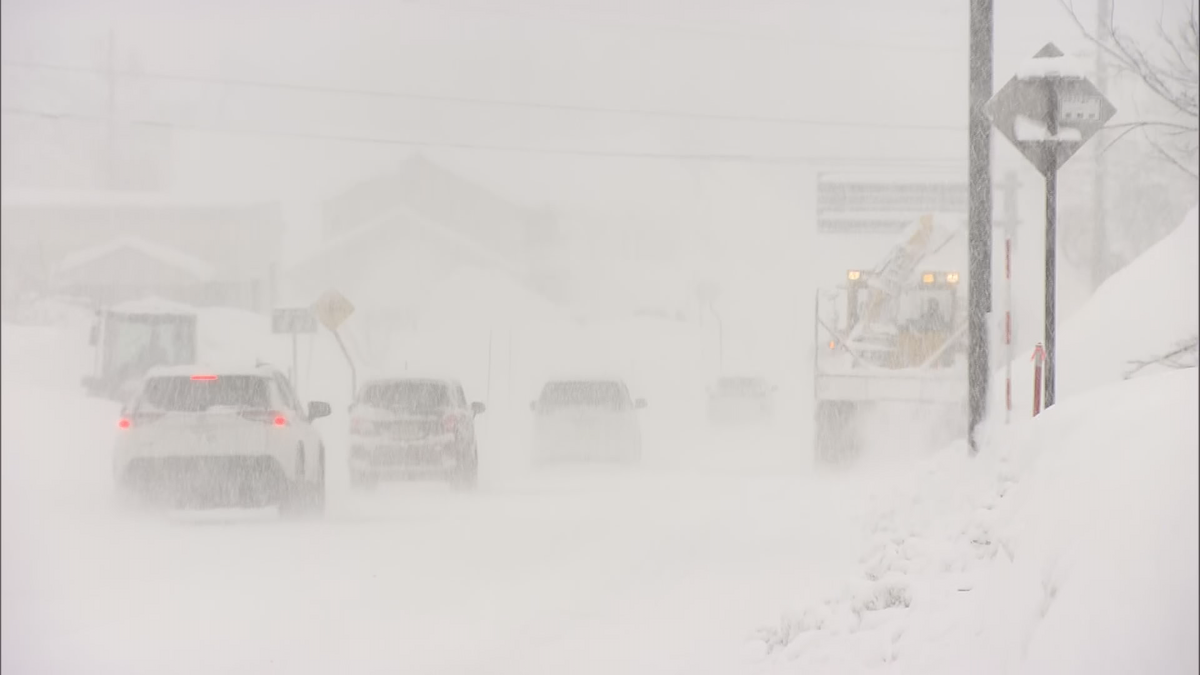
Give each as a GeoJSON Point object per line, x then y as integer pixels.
{"type": "Point", "coordinates": [362, 427]}
{"type": "Point", "coordinates": [272, 417]}
{"type": "Point", "coordinates": [138, 419]}
{"type": "Point", "coordinates": [450, 423]}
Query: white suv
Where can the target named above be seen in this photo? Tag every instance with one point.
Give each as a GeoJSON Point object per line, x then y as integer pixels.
{"type": "Point", "coordinates": [217, 438]}
{"type": "Point", "coordinates": [588, 420]}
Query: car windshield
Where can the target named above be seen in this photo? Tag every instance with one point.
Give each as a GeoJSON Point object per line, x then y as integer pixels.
{"type": "Point", "coordinates": [607, 395]}
{"type": "Point", "coordinates": [410, 394]}
{"type": "Point", "coordinates": [185, 394]}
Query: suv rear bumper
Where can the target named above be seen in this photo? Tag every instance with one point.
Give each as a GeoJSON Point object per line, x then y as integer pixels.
{"type": "Point", "coordinates": [207, 481]}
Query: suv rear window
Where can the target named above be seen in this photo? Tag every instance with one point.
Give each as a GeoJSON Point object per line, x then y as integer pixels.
{"type": "Point", "coordinates": [410, 395]}
{"type": "Point", "coordinates": [183, 394]}
{"type": "Point", "coordinates": [741, 385]}
{"type": "Point", "coordinates": [609, 395]}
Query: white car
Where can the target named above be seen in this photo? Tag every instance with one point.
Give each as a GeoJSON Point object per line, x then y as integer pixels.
{"type": "Point", "coordinates": [203, 438]}
{"type": "Point", "coordinates": [741, 399]}
{"type": "Point", "coordinates": [589, 419]}
{"type": "Point", "coordinates": [408, 427]}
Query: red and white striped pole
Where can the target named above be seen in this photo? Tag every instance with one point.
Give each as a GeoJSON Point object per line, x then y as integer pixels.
{"type": "Point", "coordinates": [1008, 355]}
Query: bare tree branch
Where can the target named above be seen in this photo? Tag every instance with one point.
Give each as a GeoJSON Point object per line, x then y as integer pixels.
{"type": "Point", "coordinates": [1167, 156]}
{"type": "Point", "coordinates": [1174, 78]}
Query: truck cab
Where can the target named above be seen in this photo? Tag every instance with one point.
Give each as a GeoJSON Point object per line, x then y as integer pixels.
{"type": "Point", "coordinates": [131, 338]}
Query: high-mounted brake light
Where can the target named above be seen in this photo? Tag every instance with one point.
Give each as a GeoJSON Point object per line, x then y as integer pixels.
{"type": "Point", "coordinates": [205, 378]}
{"type": "Point", "coordinates": [124, 423]}
{"type": "Point", "coordinates": [280, 421]}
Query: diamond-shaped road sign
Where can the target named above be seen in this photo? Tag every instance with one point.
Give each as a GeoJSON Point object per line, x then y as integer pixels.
{"type": "Point", "coordinates": [332, 309]}
{"type": "Point", "coordinates": [1047, 112]}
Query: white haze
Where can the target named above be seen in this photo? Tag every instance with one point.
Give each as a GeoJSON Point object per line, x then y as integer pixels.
{"type": "Point", "coordinates": [676, 145]}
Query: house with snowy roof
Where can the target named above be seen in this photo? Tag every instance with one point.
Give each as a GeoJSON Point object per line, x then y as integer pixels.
{"type": "Point", "coordinates": [109, 246]}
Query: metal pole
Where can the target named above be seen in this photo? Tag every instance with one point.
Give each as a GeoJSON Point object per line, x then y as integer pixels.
{"type": "Point", "coordinates": [110, 167]}
{"type": "Point", "coordinates": [1051, 236]}
{"type": "Point", "coordinates": [487, 398]}
{"type": "Point", "coordinates": [1051, 277]}
{"type": "Point", "coordinates": [1100, 233]}
{"type": "Point", "coordinates": [295, 366]}
{"type": "Point", "coordinates": [979, 215]}
{"type": "Point", "coordinates": [353, 372]}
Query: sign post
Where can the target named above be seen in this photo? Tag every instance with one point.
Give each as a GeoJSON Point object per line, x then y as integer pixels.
{"type": "Point", "coordinates": [332, 309]}
{"type": "Point", "coordinates": [1048, 111]}
{"type": "Point", "coordinates": [294, 320]}
{"type": "Point", "coordinates": [1039, 356]}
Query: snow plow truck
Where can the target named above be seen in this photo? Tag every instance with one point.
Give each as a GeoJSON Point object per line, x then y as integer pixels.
{"type": "Point", "coordinates": [892, 333]}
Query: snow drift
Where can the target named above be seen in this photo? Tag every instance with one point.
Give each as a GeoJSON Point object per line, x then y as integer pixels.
{"type": "Point", "coordinates": [1069, 545]}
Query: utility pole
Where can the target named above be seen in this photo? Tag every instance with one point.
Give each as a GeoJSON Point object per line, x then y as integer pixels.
{"type": "Point", "coordinates": [1099, 227]}
{"type": "Point", "coordinates": [979, 214]}
{"type": "Point", "coordinates": [110, 71]}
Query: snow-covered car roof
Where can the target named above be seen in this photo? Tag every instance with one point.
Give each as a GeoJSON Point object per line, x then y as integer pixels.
{"type": "Point", "coordinates": [409, 377]}
{"type": "Point", "coordinates": [229, 370]}
{"type": "Point", "coordinates": [586, 378]}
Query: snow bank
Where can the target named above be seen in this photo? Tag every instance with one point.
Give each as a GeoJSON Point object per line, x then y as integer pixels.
{"type": "Point", "coordinates": [1070, 546]}
{"type": "Point", "coordinates": [1141, 312]}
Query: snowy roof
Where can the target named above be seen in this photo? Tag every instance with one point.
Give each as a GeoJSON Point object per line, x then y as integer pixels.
{"type": "Point", "coordinates": [1053, 66]}
{"type": "Point", "coordinates": [11, 196]}
{"type": "Point", "coordinates": [153, 305]}
{"type": "Point", "coordinates": [199, 269]}
{"type": "Point", "coordinates": [362, 234]}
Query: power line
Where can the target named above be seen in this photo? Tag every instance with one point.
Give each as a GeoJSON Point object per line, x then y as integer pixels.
{"type": "Point", "coordinates": [450, 145]}
{"type": "Point", "coordinates": [542, 14]}
{"type": "Point", "coordinates": [466, 100]}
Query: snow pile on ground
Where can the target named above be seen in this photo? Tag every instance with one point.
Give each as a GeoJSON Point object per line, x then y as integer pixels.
{"type": "Point", "coordinates": [1069, 546]}
{"type": "Point", "coordinates": [1140, 313]}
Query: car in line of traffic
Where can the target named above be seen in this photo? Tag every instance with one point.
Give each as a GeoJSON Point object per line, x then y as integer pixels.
{"type": "Point", "coordinates": [741, 399]}
{"type": "Point", "coordinates": [204, 437]}
{"type": "Point", "coordinates": [230, 437]}
{"type": "Point", "coordinates": [586, 419]}
{"type": "Point", "coordinates": [407, 427]}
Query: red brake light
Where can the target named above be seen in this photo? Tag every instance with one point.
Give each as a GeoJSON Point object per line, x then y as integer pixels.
{"type": "Point", "coordinates": [207, 378]}
{"type": "Point", "coordinates": [280, 421]}
{"type": "Point", "coordinates": [449, 423]}
{"type": "Point", "coordinates": [124, 423]}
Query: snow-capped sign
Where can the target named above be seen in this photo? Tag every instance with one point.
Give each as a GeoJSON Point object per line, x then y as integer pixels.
{"type": "Point", "coordinates": [1049, 109]}
{"type": "Point", "coordinates": [293, 320]}
{"type": "Point", "coordinates": [332, 309]}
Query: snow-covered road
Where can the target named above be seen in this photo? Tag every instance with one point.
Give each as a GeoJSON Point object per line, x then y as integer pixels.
{"type": "Point", "coordinates": [668, 567]}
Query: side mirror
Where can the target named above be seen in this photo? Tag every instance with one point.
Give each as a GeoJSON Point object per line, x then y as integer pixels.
{"type": "Point", "coordinates": [318, 409]}
{"type": "Point", "coordinates": [533, 406]}
{"type": "Point", "coordinates": [478, 408]}
{"type": "Point", "coordinates": [639, 404]}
